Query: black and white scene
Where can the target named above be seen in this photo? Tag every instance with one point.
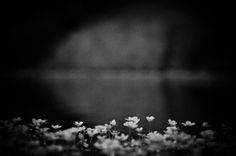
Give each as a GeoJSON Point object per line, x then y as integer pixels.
{"type": "Point", "coordinates": [117, 78]}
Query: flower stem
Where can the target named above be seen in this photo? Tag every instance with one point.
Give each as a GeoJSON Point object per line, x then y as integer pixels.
{"type": "Point", "coordinates": [149, 127]}
{"type": "Point", "coordinates": [130, 133]}
{"type": "Point", "coordinates": [91, 139]}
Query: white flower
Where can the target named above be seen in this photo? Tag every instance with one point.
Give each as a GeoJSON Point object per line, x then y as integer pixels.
{"type": "Point", "coordinates": [188, 123]}
{"type": "Point", "coordinates": [74, 129]}
{"type": "Point", "coordinates": [133, 119]}
{"type": "Point", "coordinates": [54, 147]}
{"type": "Point", "coordinates": [109, 146]}
{"type": "Point", "coordinates": [85, 145]}
{"type": "Point", "coordinates": [108, 126]}
{"type": "Point", "coordinates": [81, 136]}
{"type": "Point", "coordinates": [23, 128]}
{"type": "Point", "coordinates": [122, 137]}
{"type": "Point", "coordinates": [183, 137]}
{"type": "Point", "coordinates": [91, 132]}
{"type": "Point", "coordinates": [113, 122]}
{"type": "Point", "coordinates": [45, 129]}
{"type": "Point", "coordinates": [139, 129]}
{"type": "Point", "coordinates": [17, 119]}
{"type": "Point", "coordinates": [155, 136]}
{"type": "Point", "coordinates": [101, 129]}
{"type": "Point", "coordinates": [81, 128]}
{"type": "Point", "coordinates": [34, 143]}
{"type": "Point", "coordinates": [38, 122]}
{"type": "Point", "coordinates": [172, 122]}
{"type": "Point", "coordinates": [205, 124]}
{"type": "Point", "coordinates": [51, 136]}
{"type": "Point", "coordinates": [130, 124]}
{"type": "Point", "coordinates": [172, 130]}
{"type": "Point", "coordinates": [135, 142]}
{"type": "Point", "coordinates": [76, 123]}
{"type": "Point", "coordinates": [150, 118]}
{"type": "Point", "coordinates": [56, 126]}
{"type": "Point", "coordinates": [200, 141]}
{"type": "Point", "coordinates": [115, 132]}
{"type": "Point", "coordinates": [68, 134]}
{"type": "Point", "coordinates": [207, 133]}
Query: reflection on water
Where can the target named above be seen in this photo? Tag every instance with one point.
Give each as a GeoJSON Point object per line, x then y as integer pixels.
{"type": "Point", "coordinates": [102, 100]}
{"type": "Point", "coordinates": [98, 100]}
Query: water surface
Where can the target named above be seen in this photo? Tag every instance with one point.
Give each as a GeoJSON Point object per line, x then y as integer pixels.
{"type": "Point", "coordinates": [98, 99]}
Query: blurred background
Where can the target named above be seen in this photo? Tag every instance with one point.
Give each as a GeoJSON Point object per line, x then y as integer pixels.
{"type": "Point", "coordinates": [98, 61]}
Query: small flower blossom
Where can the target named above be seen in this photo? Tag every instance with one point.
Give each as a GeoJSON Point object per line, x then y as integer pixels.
{"type": "Point", "coordinates": [34, 143]}
{"type": "Point", "coordinates": [56, 126]}
{"type": "Point", "coordinates": [85, 145]}
{"type": "Point", "coordinates": [122, 137]}
{"type": "Point", "coordinates": [188, 123]}
{"type": "Point", "coordinates": [108, 126]}
{"type": "Point", "coordinates": [172, 122]}
{"type": "Point", "coordinates": [205, 124]}
{"type": "Point", "coordinates": [200, 140]}
{"type": "Point", "coordinates": [135, 143]}
{"type": "Point", "coordinates": [81, 128]}
{"type": "Point", "coordinates": [45, 129]}
{"type": "Point", "coordinates": [113, 122]}
{"type": "Point", "coordinates": [76, 123]}
{"type": "Point", "coordinates": [130, 124]}
{"type": "Point", "coordinates": [53, 147]}
{"type": "Point", "coordinates": [133, 119]}
{"type": "Point", "coordinates": [101, 129]}
{"type": "Point", "coordinates": [171, 130]}
{"type": "Point", "coordinates": [38, 122]}
{"type": "Point", "coordinates": [150, 118]}
{"type": "Point", "coordinates": [109, 146]}
{"type": "Point", "coordinates": [184, 140]}
{"type": "Point", "coordinates": [68, 134]}
{"type": "Point", "coordinates": [155, 136]}
{"type": "Point", "coordinates": [183, 137]}
{"type": "Point", "coordinates": [17, 119]}
{"type": "Point", "coordinates": [23, 128]}
{"type": "Point", "coordinates": [207, 133]}
{"type": "Point", "coordinates": [91, 132]}
{"type": "Point", "coordinates": [80, 136]}
{"type": "Point", "coordinates": [115, 132]}
{"type": "Point", "coordinates": [139, 129]}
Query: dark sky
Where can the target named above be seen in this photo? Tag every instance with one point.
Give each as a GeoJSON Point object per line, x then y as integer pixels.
{"type": "Point", "coordinates": [29, 31]}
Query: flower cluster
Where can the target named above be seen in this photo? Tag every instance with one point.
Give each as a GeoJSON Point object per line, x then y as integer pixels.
{"type": "Point", "coordinates": [41, 138]}
{"type": "Point", "coordinates": [38, 122]}
{"type": "Point", "coordinates": [188, 123]}
{"type": "Point", "coordinates": [132, 122]}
